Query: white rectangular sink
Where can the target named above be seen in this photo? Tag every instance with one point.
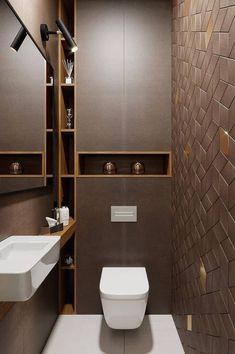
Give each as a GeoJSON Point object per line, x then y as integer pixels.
{"type": "Point", "coordinates": [25, 261]}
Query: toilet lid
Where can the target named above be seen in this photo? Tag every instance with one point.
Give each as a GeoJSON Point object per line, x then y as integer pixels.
{"type": "Point", "coordinates": [124, 283]}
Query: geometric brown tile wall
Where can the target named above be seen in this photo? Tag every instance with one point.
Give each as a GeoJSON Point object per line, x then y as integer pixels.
{"type": "Point", "coordinates": [203, 109]}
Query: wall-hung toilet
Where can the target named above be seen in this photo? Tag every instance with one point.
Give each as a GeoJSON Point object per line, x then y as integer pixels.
{"type": "Point", "coordinates": [124, 295]}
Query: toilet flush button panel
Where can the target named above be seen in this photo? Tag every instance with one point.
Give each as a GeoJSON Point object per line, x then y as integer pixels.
{"type": "Point", "coordinates": [123, 213]}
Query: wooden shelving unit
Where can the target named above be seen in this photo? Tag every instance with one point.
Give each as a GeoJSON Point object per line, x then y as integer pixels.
{"type": "Point", "coordinates": [67, 161]}
{"type": "Point", "coordinates": [49, 124]}
{"type": "Point", "coordinates": [67, 274]}
{"type": "Point", "coordinates": [157, 163]}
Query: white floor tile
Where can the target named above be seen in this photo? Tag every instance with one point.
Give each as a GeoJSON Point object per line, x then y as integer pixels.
{"type": "Point", "coordinates": [157, 335]}
{"type": "Point", "coordinates": [89, 334]}
{"type": "Point", "coordinates": [80, 334]}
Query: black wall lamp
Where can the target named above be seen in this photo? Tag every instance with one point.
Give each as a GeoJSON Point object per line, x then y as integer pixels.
{"type": "Point", "coordinates": [45, 34]}
{"type": "Point", "coordinates": [19, 39]}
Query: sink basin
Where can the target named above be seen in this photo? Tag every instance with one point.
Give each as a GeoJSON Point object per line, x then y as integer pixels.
{"type": "Point", "coordinates": [25, 261]}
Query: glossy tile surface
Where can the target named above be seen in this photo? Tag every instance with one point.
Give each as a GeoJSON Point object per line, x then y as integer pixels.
{"type": "Point", "coordinates": [89, 334]}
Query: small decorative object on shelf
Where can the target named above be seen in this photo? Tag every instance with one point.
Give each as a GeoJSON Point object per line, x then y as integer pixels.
{"type": "Point", "coordinates": [67, 260]}
{"type": "Point", "coordinates": [68, 65]}
{"type": "Point", "coordinates": [109, 168]}
{"type": "Point", "coordinates": [16, 168]}
{"type": "Point", "coordinates": [64, 215]}
{"type": "Point", "coordinates": [69, 118]}
{"type": "Point", "coordinates": [51, 80]}
{"type": "Point", "coordinates": [137, 168]}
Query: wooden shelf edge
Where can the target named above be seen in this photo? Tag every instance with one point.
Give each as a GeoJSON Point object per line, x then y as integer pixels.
{"type": "Point", "coordinates": [21, 152]}
{"type": "Point", "coordinates": [64, 130]}
{"type": "Point", "coordinates": [67, 310]}
{"type": "Point", "coordinates": [68, 267]}
{"type": "Point", "coordinates": [67, 233]}
{"type": "Point", "coordinates": [124, 152]}
{"type": "Point", "coordinates": [62, 84]}
{"type": "Point", "coordinates": [21, 176]}
{"type": "Point", "coordinates": [124, 176]}
{"type": "Point", "coordinates": [67, 176]}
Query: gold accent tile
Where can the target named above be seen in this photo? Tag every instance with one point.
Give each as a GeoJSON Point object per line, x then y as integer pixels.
{"type": "Point", "coordinates": [187, 149]}
{"type": "Point", "coordinates": [224, 141]}
{"type": "Point", "coordinates": [203, 276]}
{"type": "Point", "coordinates": [209, 31]}
{"type": "Point", "coordinates": [189, 322]}
{"type": "Point", "coordinates": [187, 5]}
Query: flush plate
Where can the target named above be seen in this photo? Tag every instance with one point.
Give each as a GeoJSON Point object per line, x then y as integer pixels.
{"type": "Point", "coordinates": [123, 213]}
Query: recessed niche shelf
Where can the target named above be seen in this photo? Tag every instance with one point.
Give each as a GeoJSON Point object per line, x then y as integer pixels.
{"type": "Point", "coordinates": [66, 54]}
{"type": "Point", "coordinates": [67, 101]}
{"type": "Point", "coordinates": [67, 154]}
{"type": "Point", "coordinates": [156, 163]}
{"type": "Point", "coordinates": [67, 191]}
{"type": "Point", "coordinates": [32, 163]}
{"type": "Point", "coordinates": [67, 14]}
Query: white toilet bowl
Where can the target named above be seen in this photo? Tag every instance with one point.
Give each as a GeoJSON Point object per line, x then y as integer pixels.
{"type": "Point", "coordinates": [124, 295]}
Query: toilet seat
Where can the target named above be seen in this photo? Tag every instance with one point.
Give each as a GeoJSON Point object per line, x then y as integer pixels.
{"type": "Point", "coordinates": [124, 283]}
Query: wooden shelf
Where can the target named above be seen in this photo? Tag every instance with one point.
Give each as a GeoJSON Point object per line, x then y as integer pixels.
{"type": "Point", "coordinates": [22, 176]}
{"type": "Point", "coordinates": [66, 165]}
{"type": "Point", "coordinates": [66, 233]}
{"type": "Point", "coordinates": [72, 267]}
{"type": "Point", "coordinates": [67, 85]}
{"type": "Point", "coordinates": [49, 130]}
{"type": "Point", "coordinates": [67, 176]}
{"type": "Point", "coordinates": [124, 175]}
{"type": "Point", "coordinates": [67, 130]}
{"type": "Point", "coordinates": [123, 152]}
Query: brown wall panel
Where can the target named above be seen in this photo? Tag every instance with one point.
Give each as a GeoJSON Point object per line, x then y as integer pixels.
{"type": "Point", "coordinates": [26, 327]}
{"type": "Point", "coordinates": [22, 87]}
{"type": "Point", "coordinates": [124, 75]}
{"type": "Point", "coordinates": [145, 243]}
{"type": "Point", "coordinates": [204, 172]}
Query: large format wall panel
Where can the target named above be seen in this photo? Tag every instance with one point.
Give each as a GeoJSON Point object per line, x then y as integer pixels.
{"type": "Point", "coordinates": [124, 71]}
{"type": "Point", "coordinates": [144, 243]}
{"type": "Point", "coordinates": [204, 174]}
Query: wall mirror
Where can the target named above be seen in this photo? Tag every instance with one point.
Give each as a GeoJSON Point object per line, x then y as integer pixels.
{"type": "Point", "coordinates": [26, 110]}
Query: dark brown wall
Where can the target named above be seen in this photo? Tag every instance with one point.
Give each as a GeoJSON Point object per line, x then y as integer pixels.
{"type": "Point", "coordinates": [22, 87]}
{"type": "Point", "coordinates": [123, 103]}
{"type": "Point", "coordinates": [203, 189]}
{"type": "Point", "coordinates": [124, 71]}
{"type": "Point", "coordinates": [24, 213]}
{"type": "Point", "coordinates": [145, 243]}
{"type": "Point", "coordinates": [26, 327]}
